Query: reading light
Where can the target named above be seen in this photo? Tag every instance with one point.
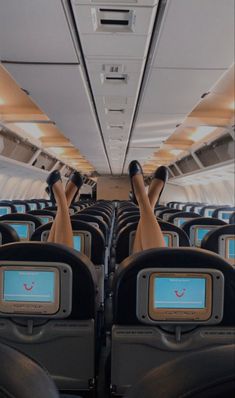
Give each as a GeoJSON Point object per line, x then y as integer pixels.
{"type": "Point", "coordinates": [202, 132]}
{"type": "Point", "coordinates": [30, 128]}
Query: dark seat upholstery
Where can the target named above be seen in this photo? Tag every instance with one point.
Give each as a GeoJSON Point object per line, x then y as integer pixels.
{"type": "Point", "coordinates": [205, 374]}
{"type": "Point", "coordinates": [66, 347]}
{"type": "Point", "coordinates": [203, 221]}
{"type": "Point", "coordinates": [22, 217]}
{"type": "Point", "coordinates": [7, 234]}
{"type": "Point", "coordinates": [123, 238]}
{"type": "Point", "coordinates": [20, 377]}
{"type": "Point", "coordinates": [182, 214]}
{"type": "Point", "coordinates": [138, 348]}
{"type": "Point", "coordinates": [211, 240]}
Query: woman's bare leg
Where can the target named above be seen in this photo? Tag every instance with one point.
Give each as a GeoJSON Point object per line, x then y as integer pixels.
{"type": "Point", "coordinates": [137, 245]}
{"type": "Point", "coordinates": [70, 191]}
{"type": "Point", "coordinates": [150, 233]}
{"type": "Point", "coordinates": [155, 189]}
{"type": "Point", "coordinates": [61, 231]}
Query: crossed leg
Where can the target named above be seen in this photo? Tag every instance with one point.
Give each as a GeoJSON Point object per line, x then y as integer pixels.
{"type": "Point", "coordinates": [148, 233]}
{"type": "Point", "coordinates": [61, 230]}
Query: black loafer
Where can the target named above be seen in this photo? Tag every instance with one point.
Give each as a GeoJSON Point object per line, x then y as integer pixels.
{"type": "Point", "coordinates": [161, 173]}
{"type": "Point", "coordinates": [53, 177]}
{"type": "Point", "coordinates": [134, 168]}
{"type": "Point", "coordinates": [77, 179]}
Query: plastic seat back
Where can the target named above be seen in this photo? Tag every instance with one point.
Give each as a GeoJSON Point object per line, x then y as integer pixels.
{"type": "Point", "coordinates": [197, 228]}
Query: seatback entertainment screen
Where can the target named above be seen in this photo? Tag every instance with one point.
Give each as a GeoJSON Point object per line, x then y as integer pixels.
{"type": "Point", "coordinates": [34, 286]}
{"type": "Point", "coordinates": [180, 296]}
{"type": "Point", "coordinates": [22, 230]}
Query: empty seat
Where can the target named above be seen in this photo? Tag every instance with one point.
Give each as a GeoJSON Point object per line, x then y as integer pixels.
{"type": "Point", "coordinates": [197, 228]}
{"type": "Point", "coordinates": [20, 377]}
{"type": "Point", "coordinates": [21, 206]}
{"type": "Point", "coordinates": [207, 373]}
{"type": "Point", "coordinates": [44, 215]}
{"type": "Point", "coordinates": [174, 237]}
{"type": "Point", "coordinates": [60, 337]}
{"type": "Point", "coordinates": [24, 224]}
{"type": "Point", "coordinates": [221, 241]}
{"type": "Point", "coordinates": [181, 217]}
{"type": "Point", "coordinates": [6, 207]}
{"type": "Point", "coordinates": [223, 213]}
{"type": "Point", "coordinates": [165, 307]}
{"type": "Point", "coordinates": [166, 213]}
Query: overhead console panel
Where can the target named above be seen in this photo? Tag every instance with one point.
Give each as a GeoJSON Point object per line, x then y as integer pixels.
{"type": "Point", "coordinates": [115, 38]}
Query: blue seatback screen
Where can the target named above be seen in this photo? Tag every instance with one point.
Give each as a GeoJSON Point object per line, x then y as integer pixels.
{"type": "Point", "coordinates": [179, 292]}
{"type": "Point", "coordinates": [181, 221]}
{"type": "Point", "coordinates": [210, 212]}
{"type": "Point", "coordinates": [4, 210]}
{"type": "Point", "coordinates": [22, 230]}
{"type": "Point", "coordinates": [167, 240]}
{"type": "Point", "coordinates": [42, 205]}
{"type": "Point", "coordinates": [231, 248]}
{"type": "Point", "coordinates": [226, 216]}
{"type": "Point", "coordinates": [33, 286]}
{"type": "Point", "coordinates": [201, 232]}
{"type": "Point", "coordinates": [77, 242]}
{"type": "Point", "coordinates": [44, 220]}
{"type": "Point", "coordinates": [33, 206]}
{"type": "Point", "coordinates": [20, 208]}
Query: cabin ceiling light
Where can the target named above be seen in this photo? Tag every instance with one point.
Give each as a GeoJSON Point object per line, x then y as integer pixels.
{"type": "Point", "coordinates": [232, 105]}
{"type": "Point", "coordinates": [201, 132]}
{"type": "Point", "coordinates": [57, 150]}
{"type": "Point", "coordinates": [30, 128]}
{"type": "Point", "coordinates": [175, 152]}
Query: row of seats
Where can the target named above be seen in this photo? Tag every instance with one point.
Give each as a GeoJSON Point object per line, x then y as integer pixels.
{"type": "Point", "coordinates": [75, 332]}
{"type": "Point", "coordinates": [223, 212]}
{"type": "Point", "coordinates": [179, 229]}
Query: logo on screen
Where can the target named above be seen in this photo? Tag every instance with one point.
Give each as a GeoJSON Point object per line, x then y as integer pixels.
{"type": "Point", "coordinates": [180, 294]}
{"type": "Point", "coordinates": [28, 288]}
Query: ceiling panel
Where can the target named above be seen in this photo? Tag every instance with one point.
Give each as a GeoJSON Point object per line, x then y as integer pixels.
{"type": "Point", "coordinates": [35, 31]}
{"type": "Point", "coordinates": [197, 34]}
{"type": "Point", "coordinates": [60, 91]}
{"type": "Point", "coordinates": [176, 91]}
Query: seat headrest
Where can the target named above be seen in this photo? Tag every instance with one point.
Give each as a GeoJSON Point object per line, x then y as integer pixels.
{"type": "Point", "coordinates": [211, 240]}
{"type": "Point", "coordinates": [84, 274]}
{"type": "Point", "coordinates": [205, 374]}
{"type": "Point", "coordinates": [22, 217]}
{"type": "Point", "coordinates": [122, 243]}
{"type": "Point", "coordinates": [21, 377]}
{"type": "Point", "coordinates": [97, 238]}
{"type": "Point", "coordinates": [201, 221]}
{"type": "Point", "coordinates": [8, 234]}
{"type": "Point", "coordinates": [125, 278]}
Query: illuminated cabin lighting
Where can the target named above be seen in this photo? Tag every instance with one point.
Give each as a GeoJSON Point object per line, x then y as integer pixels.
{"type": "Point", "coordinates": [232, 105]}
{"type": "Point", "coordinates": [201, 132]}
{"type": "Point", "coordinates": [30, 128]}
{"type": "Point", "coordinates": [57, 150]}
{"type": "Point", "coordinates": [176, 152]}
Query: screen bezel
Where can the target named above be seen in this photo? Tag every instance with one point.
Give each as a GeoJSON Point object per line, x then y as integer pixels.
{"type": "Point", "coordinates": [201, 314]}
{"type": "Point", "coordinates": [142, 295]}
{"type": "Point", "coordinates": [30, 224]}
{"type": "Point", "coordinates": [30, 307]}
{"type": "Point", "coordinates": [224, 247]}
{"type": "Point", "coordinates": [193, 232]}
